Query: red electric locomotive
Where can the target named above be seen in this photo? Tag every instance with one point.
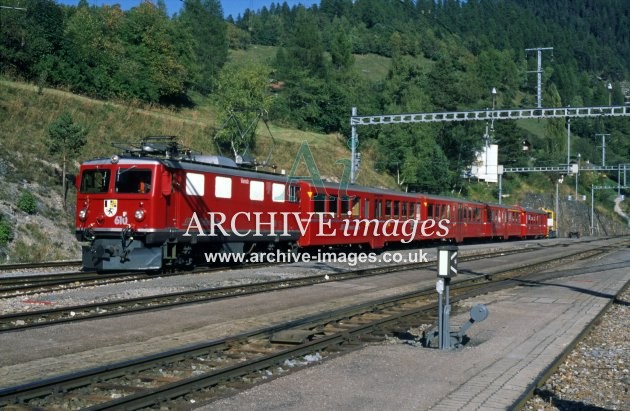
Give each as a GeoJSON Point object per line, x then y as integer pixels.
{"type": "Point", "coordinates": [160, 206]}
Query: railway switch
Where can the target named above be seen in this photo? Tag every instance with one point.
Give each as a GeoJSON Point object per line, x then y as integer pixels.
{"type": "Point", "coordinates": [455, 339]}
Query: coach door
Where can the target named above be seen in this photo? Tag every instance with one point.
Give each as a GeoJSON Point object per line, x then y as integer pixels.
{"type": "Point", "coordinates": [460, 226]}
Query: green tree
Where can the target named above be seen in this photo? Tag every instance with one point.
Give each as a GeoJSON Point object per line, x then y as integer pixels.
{"type": "Point", "coordinates": [340, 47]}
{"type": "Point", "coordinates": [66, 140]}
{"type": "Point", "coordinates": [156, 66]}
{"type": "Point", "coordinates": [204, 18]}
{"type": "Point", "coordinates": [243, 96]}
{"type": "Point", "coordinates": [92, 50]}
{"type": "Point", "coordinates": [303, 69]}
{"type": "Point", "coordinates": [30, 39]}
{"type": "Point", "coordinates": [415, 159]}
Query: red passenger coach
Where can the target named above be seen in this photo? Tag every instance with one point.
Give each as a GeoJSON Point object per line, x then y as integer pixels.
{"type": "Point", "coordinates": [159, 206]}
{"type": "Point", "coordinates": [535, 224]}
{"type": "Point", "coordinates": [354, 215]}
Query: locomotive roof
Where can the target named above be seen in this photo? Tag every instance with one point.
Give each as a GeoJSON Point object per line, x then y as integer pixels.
{"type": "Point", "coordinates": [122, 161]}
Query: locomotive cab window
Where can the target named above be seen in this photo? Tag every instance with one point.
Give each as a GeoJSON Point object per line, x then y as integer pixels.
{"type": "Point", "coordinates": [133, 180]}
{"type": "Point", "coordinates": [95, 181]}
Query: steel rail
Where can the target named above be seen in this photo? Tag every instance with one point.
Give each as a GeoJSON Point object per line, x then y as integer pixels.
{"type": "Point", "coordinates": [44, 264]}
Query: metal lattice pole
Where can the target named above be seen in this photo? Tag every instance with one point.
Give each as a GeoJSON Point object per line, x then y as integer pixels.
{"type": "Point", "coordinates": [539, 71]}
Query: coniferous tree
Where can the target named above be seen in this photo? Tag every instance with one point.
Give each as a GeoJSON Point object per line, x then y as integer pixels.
{"type": "Point", "coordinates": [209, 31]}
{"type": "Point", "coordinates": [66, 139]}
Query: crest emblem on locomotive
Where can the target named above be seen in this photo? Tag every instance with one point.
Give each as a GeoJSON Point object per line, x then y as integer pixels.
{"type": "Point", "coordinates": [110, 208]}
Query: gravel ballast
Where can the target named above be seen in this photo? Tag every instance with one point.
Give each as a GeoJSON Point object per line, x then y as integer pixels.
{"type": "Point", "coordinates": [597, 372]}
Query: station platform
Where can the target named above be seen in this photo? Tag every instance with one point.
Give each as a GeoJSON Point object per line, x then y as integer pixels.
{"type": "Point", "coordinates": [527, 329]}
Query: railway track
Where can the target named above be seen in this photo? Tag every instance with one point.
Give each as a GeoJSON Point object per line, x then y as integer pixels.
{"type": "Point", "coordinates": [31, 284]}
{"type": "Point", "coordinates": [45, 264]}
{"type": "Point", "coordinates": [25, 284]}
{"type": "Point", "coordinates": [206, 370]}
{"type": "Point", "coordinates": [13, 286]}
{"type": "Point", "coordinates": [44, 317]}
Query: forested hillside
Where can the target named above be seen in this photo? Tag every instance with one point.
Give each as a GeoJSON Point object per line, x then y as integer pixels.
{"type": "Point", "coordinates": [441, 55]}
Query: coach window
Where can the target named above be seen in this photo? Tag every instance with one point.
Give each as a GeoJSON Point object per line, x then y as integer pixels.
{"type": "Point", "coordinates": [366, 208]}
{"type": "Point", "coordinates": [95, 181]}
{"type": "Point", "coordinates": [388, 208]}
{"type": "Point", "coordinates": [345, 206]}
{"type": "Point", "coordinates": [319, 201]}
{"type": "Point", "coordinates": [256, 190]}
{"type": "Point", "coordinates": [133, 180]}
{"type": "Point", "coordinates": [355, 206]}
{"type": "Point", "coordinates": [430, 211]}
{"type": "Point", "coordinates": [222, 187]}
{"type": "Point", "coordinates": [396, 210]}
{"type": "Point", "coordinates": [195, 184]}
{"type": "Point", "coordinates": [404, 213]}
{"type": "Point", "coordinates": [332, 205]}
{"type": "Point", "coordinates": [278, 192]}
{"type": "Point", "coordinates": [446, 214]}
{"type": "Point", "coordinates": [378, 209]}
{"type": "Point", "coordinates": [294, 194]}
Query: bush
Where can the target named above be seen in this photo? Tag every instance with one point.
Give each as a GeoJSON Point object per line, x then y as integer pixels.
{"type": "Point", "coordinates": [6, 233]}
{"type": "Point", "coordinates": [27, 203]}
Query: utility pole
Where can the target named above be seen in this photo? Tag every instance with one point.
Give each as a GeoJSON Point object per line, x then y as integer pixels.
{"type": "Point", "coordinates": [539, 70]}
{"type": "Point", "coordinates": [568, 145]}
{"type": "Point", "coordinates": [609, 87]}
{"type": "Point", "coordinates": [603, 136]}
{"type": "Point", "coordinates": [353, 151]}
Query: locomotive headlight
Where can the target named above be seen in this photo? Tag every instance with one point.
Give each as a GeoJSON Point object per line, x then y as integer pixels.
{"type": "Point", "coordinates": [139, 215]}
{"type": "Point", "coordinates": [83, 215]}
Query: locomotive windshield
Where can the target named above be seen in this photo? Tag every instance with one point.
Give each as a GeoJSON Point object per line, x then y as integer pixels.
{"type": "Point", "coordinates": [133, 180]}
{"type": "Point", "coordinates": [95, 181]}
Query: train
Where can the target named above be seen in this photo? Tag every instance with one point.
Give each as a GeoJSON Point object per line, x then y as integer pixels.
{"type": "Point", "coordinates": [157, 206]}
